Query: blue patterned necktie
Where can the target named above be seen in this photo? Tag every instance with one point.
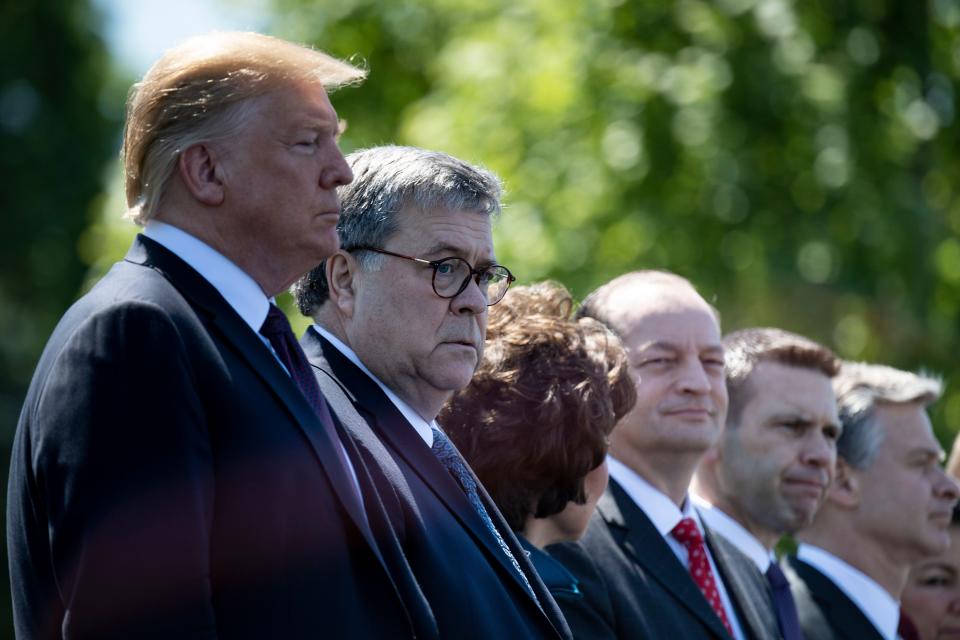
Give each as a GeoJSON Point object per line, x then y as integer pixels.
{"type": "Point", "coordinates": [450, 458]}
{"type": "Point", "coordinates": [784, 604]}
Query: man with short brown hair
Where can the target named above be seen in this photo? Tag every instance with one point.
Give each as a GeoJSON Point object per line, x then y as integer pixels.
{"type": "Point", "coordinates": [770, 469]}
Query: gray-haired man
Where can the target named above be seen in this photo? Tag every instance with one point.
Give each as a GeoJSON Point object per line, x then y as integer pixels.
{"type": "Point", "coordinates": [401, 313]}
{"type": "Point", "coordinates": [889, 506]}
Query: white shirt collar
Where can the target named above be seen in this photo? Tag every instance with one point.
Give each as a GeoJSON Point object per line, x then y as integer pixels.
{"type": "Point", "coordinates": [239, 290]}
{"type": "Point", "coordinates": [735, 532]}
{"type": "Point", "coordinates": [423, 428]}
{"type": "Point", "coordinates": [874, 601]}
{"type": "Point", "coordinates": [661, 510]}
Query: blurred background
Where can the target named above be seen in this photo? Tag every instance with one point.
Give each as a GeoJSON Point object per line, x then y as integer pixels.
{"type": "Point", "coordinates": [796, 159]}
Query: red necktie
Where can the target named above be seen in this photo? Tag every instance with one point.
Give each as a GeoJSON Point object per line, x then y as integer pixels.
{"type": "Point", "coordinates": [687, 534]}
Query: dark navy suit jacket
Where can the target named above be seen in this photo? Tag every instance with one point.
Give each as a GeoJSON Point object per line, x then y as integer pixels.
{"type": "Point", "coordinates": [169, 480]}
{"type": "Point", "coordinates": [472, 587]}
{"type": "Point", "coordinates": [635, 587]}
{"type": "Point", "coordinates": [826, 613]}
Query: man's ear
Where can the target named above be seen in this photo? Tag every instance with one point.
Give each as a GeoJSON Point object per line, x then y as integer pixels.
{"type": "Point", "coordinates": [341, 270]}
{"type": "Point", "coordinates": [201, 174]}
{"type": "Point", "coordinates": [847, 483]}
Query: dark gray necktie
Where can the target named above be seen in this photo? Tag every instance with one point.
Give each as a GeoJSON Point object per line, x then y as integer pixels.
{"type": "Point", "coordinates": [451, 460]}
{"type": "Point", "coordinates": [784, 604]}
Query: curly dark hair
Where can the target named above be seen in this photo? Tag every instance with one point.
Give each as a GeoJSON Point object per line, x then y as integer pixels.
{"type": "Point", "coordinates": [536, 417]}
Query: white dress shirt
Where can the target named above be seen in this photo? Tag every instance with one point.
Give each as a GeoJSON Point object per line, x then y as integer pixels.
{"type": "Point", "coordinates": [735, 533]}
{"type": "Point", "coordinates": [236, 286]}
{"type": "Point", "coordinates": [665, 515]}
{"type": "Point", "coordinates": [423, 428]}
{"type": "Point", "coordinates": [874, 601]}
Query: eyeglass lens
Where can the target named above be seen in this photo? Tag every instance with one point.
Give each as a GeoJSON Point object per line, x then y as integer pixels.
{"type": "Point", "coordinates": [452, 276]}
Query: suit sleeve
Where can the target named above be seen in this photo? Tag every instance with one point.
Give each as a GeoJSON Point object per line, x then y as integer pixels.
{"type": "Point", "coordinates": [590, 617]}
{"type": "Point", "coordinates": [123, 480]}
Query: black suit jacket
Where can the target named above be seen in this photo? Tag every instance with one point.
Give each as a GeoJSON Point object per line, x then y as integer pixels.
{"type": "Point", "coordinates": [169, 480]}
{"type": "Point", "coordinates": [472, 587]}
{"type": "Point", "coordinates": [635, 587]}
{"type": "Point", "coordinates": [826, 613]}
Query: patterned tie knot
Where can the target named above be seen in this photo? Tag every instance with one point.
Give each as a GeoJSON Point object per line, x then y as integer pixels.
{"type": "Point", "coordinates": [688, 534]}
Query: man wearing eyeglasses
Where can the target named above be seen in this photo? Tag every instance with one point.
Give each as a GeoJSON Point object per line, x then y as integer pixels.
{"type": "Point", "coordinates": [401, 315]}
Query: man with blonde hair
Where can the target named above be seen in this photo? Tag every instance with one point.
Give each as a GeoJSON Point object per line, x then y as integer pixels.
{"type": "Point", "coordinates": [176, 472]}
{"type": "Point", "coordinates": [889, 506]}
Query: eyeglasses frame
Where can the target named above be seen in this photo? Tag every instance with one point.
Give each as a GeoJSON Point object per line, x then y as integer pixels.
{"type": "Point", "coordinates": [474, 273]}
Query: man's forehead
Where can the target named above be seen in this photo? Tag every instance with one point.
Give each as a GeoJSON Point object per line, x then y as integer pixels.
{"type": "Point", "coordinates": [907, 426]}
{"type": "Point", "coordinates": [305, 100]}
{"type": "Point", "coordinates": [664, 315]}
{"type": "Point", "coordinates": [772, 373]}
{"type": "Point", "coordinates": [440, 229]}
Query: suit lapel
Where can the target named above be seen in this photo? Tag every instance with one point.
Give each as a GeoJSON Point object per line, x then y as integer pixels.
{"type": "Point", "coordinates": [841, 613]}
{"type": "Point", "coordinates": [394, 430]}
{"type": "Point", "coordinates": [221, 317]}
{"type": "Point", "coordinates": [736, 578]}
{"type": "Point", "coordinates": [634, 531]}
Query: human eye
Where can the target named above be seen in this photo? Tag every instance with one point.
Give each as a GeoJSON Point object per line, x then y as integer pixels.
{"type": "Point", "coordinates": [657, 360]}
{"type": "Point", "coordinates": [445, 268]}
{"type": "Point", "coordinates": [935, 580]}
{"type": "Point", "coordinates": [793, 425]}
{"type": "Point", "coordinates": [306, 142]}
{"type": "Point", "coordinates": [712, 361]}
{"type": "Point", "coordinates": [831, 432]}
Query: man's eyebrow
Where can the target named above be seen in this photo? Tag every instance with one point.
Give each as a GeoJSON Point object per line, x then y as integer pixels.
{"type": "Point", "coordinates": [662, 345]}
{"type": "Point", "coordinates": [444, 250]}
{"type": "Point", "coordinates": [928, 453]}
{"type": "Point", "coordinates": [796, 417]}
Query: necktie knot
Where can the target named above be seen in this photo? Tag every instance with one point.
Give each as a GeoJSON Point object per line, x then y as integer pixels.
{"type": "Point", "coordinates": [275, 324]}
{"type": "Point", "coordinates": [775, 576]}
{"type": "Point", "coordinates": [688, 534]}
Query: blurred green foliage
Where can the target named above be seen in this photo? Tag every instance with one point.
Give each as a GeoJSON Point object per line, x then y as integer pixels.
{"type": "Point", "coordinates": [54, 141]}
{"type": "Point", "coordinates": [796, 160]}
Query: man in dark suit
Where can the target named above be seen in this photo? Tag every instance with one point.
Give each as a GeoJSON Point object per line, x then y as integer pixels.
{"type": "Point", "coordinates": [770, 469]}
{"type": "Point", "coordinates": [647, 566]}
{"type": "Point", "coordinates": [174, 473]}
{"type": "Point", "coordinates": [401, 313]}
{"type": "Point", "coordinates": [889, 506]}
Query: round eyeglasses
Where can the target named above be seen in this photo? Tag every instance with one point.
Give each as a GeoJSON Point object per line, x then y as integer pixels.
{"type": "Point", "coordinates": [452, 275]}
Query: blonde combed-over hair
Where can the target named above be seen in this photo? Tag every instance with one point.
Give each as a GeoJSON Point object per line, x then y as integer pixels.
{"type": "Point", "coordinates": [202, 91]}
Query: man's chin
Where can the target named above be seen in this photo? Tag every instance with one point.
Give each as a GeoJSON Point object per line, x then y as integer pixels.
{"type": "Point", "coordinates": [453, 378]}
